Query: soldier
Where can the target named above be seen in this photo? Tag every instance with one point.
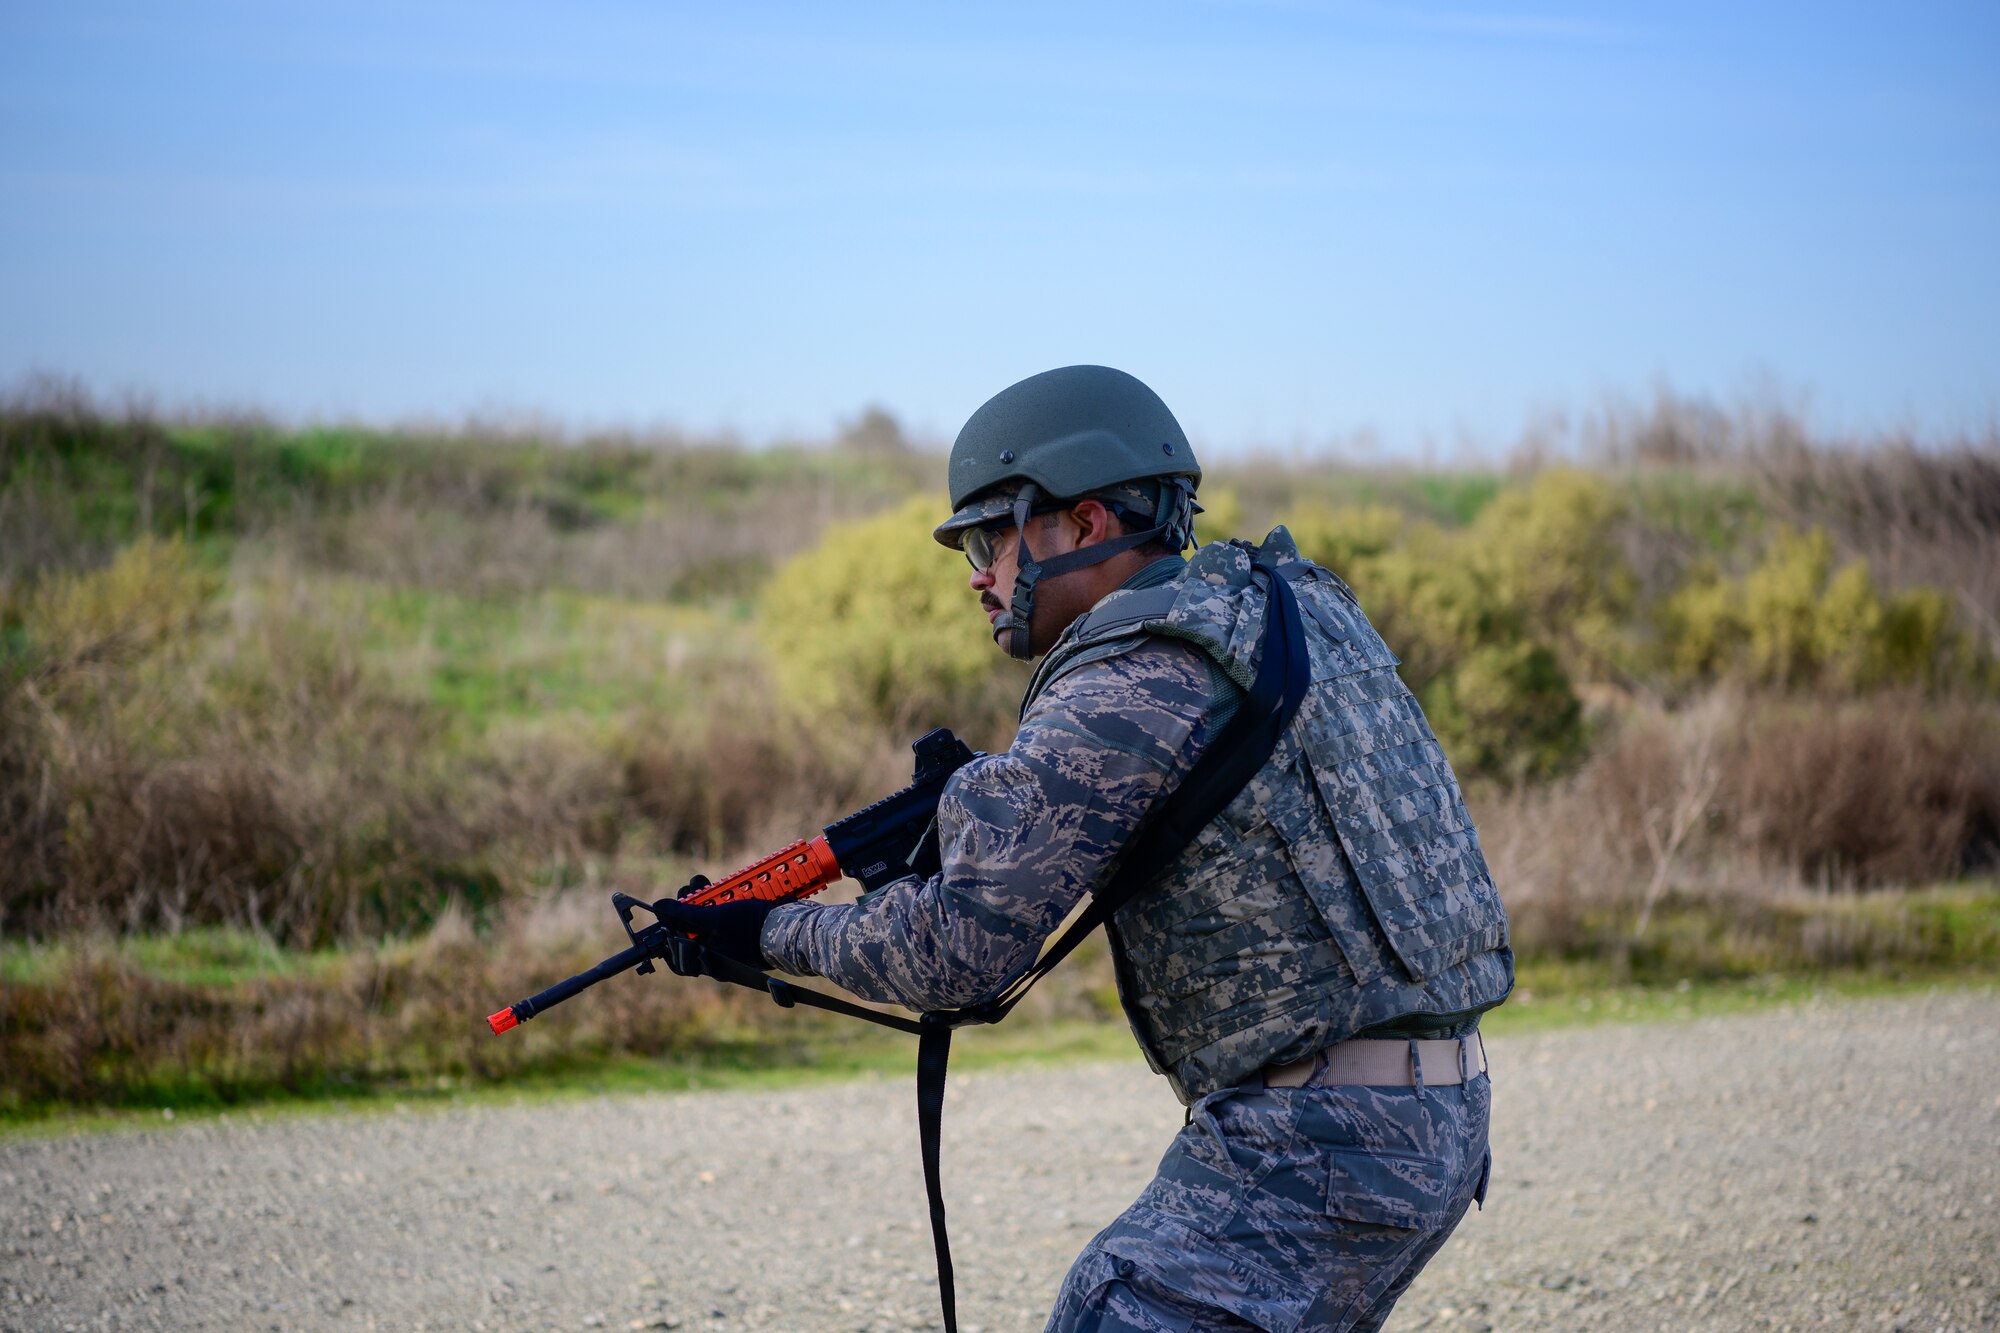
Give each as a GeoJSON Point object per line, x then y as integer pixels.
{"type": "Point", "coordinates": [1307, 974]}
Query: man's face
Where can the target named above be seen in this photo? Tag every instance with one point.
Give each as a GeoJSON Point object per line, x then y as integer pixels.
{"type": "Point", "coordinates": [995, 582]}
{"type": "Point", "coordinates": [1057, 600]}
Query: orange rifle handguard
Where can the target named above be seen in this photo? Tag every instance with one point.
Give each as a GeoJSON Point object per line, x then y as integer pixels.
{"type": "Point", "coordinates": [804, 868]}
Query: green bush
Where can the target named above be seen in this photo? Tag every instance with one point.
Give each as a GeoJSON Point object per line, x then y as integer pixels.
{"type": "Point", "coordinates": [1549, 554]}
{"type": "Point", "coordinates": [1780, 603]}
{"type": "Point", "coordinates": [1345, 537]}
{"type": "Point", "coordinates": [1496, 621]}
{"type": "Point", "coordinates": [1221, 516]}
{"type": "Point", "coordinates": [876, 626]}
{"type": "Point", "coordinates": [1795, 621]}
{"type": "Point", "coordinates": [1700, 627]}
{"type": "Point", "coordinates": [1433, 608]}
{"type": "Point", "coordinates": [1507, 711]}
{"type": "Point", "coordinates": [151, 592]}
{"type": "Point", "coordinates": [1493, 620]}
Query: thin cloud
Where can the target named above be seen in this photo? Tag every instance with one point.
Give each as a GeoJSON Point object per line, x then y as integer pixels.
{"type": "Point", "coordinates": [1470, 23]}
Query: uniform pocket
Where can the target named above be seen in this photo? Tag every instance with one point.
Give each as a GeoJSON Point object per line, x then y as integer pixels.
{"type": "Point", "coordinates": [1383, 1189]}
{"type": "Point", "coordinates": [1182, 1272]}
{"type": "Point", "coordinates": [1101, 1296]}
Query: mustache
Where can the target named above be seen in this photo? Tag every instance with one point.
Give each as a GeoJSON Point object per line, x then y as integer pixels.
{"type": "Point", "coordinates": [988, 602]}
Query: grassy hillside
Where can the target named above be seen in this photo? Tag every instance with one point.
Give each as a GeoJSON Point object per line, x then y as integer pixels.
{"type": "Point", "coordinates": [316, 745]}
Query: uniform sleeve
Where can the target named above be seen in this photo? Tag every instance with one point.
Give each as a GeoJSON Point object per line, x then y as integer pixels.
{"type": "Point", "coordinates": [1023, 836]}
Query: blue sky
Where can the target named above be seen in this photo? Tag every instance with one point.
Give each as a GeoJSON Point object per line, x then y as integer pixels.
{"type": "Point", "coordinates": [1298, 220]}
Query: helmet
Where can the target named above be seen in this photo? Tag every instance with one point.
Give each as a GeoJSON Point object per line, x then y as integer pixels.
{"type": "Point", "coordinates": [1073, 432]}
{"type": "Point", "coordinates": [1066, 435]}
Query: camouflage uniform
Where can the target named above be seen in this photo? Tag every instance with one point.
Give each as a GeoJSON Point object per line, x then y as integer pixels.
{"type": "Point", "coordinates": [1342, 892]}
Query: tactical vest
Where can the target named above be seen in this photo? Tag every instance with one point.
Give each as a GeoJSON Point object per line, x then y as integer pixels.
{"type": "Point", "coordinates": [1342, 889]}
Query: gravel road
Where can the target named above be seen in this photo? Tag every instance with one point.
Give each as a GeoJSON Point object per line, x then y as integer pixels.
{"type": "Point", "coordinates": [1830, 1166]}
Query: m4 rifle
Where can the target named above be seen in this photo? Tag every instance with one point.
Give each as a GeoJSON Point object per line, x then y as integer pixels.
{"type": "Point", "coordinates": [894, 837]}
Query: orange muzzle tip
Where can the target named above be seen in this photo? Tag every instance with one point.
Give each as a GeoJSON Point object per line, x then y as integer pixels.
{"type": "Point", "coordinates": [501, 1021]}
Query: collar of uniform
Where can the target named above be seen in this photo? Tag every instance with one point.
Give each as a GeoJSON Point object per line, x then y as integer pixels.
{"type": "Point", "coordinates": [1164, 570]}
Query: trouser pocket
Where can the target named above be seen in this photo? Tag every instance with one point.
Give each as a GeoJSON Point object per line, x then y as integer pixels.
{"type": "Point", "coordinates": [1380, 1188]}
{"type": "Point", "coordinates": [1107, 1294]}
{"type": "Point", "coordinates": [1148, 1273]}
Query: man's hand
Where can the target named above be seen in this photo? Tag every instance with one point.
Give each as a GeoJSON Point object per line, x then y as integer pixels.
{"type": "Point", "coordinates": [734, 930]}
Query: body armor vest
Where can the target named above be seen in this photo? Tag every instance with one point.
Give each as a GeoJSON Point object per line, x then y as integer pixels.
{"type": "Point", "coordinates": [1342, 889]}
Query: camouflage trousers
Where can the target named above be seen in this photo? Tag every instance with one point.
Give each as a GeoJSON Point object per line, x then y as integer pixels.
{"type": "Point", "coordinates": [1286, 1210]}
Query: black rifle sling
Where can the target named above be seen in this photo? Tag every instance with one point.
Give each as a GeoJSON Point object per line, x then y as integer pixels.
{"type": "Point", "coordinates": [786, 994]}
{"type": "Point", "coordinates": [1222, 771]}
{"type": "Point", "coordinates": [1225, 766]}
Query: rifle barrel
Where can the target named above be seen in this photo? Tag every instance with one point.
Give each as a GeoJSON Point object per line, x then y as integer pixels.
{"type": "Point", "coordinates": [524, 1010]}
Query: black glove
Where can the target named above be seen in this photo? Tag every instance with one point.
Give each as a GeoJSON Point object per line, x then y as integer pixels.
{"type": "Point", "coordinates": [734, 930]}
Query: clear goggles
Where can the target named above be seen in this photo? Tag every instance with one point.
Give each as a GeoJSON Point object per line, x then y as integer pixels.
{"type": "Point", "coordinates": [984, 545]}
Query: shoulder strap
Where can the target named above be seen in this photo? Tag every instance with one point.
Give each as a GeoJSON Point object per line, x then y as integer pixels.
{"type": "Point", "coordinates": [1230, 760]}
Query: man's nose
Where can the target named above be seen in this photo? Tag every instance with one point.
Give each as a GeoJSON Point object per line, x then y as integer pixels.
{"type": "Point", "coordinates": [981, 579]}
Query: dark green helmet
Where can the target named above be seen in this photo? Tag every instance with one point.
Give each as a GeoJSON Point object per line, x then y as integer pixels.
{"type": "Point", "coordinates": [1073, 432]}
{"type": "Point", "coordinates": [1065, 435]}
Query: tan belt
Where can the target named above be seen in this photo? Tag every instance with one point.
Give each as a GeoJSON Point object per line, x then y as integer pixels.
{"type": "Point", "coordinates": [1385, 1062]}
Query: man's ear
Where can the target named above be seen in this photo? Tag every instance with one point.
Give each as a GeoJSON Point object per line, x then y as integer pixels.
{"type": "Point", "coordinates": [1090, 522]}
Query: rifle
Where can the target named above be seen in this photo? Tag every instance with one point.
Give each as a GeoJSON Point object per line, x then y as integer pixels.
{"type": "Point", "coordinates": [894, 837]}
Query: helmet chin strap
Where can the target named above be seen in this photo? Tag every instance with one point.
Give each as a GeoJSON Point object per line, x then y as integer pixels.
{"type": "Point", "coordinates": [1171, 524]}
{"type": "Point", "coordinates": [1012, 627]}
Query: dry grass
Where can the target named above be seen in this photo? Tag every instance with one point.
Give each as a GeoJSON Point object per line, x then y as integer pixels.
{"type": "Point", "coordinates": [102, 1026]}
{"type": "Point", "coordinates": [484, 508]}
{"type": "Point", "coordinates": [276, 757]}
{"type": "Point", "coordinates": [226, 1018]}
{"type": "Point", "coordinates": [1737, 802]}
{"type": "Point", "coordinates": [1918, 516]}
{"type": "Point", "coordinates": [1871, 794]}
{"type": "Point", "coordinates": [712, 784]}
{"type": "Point", "coordinates": [1921, 514]}
{"type": "Point", "coordinates": [680, 547]}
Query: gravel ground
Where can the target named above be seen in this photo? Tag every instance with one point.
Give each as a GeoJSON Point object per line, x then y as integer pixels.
{"type": "Point", "coordinates": [1832, 1166]}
